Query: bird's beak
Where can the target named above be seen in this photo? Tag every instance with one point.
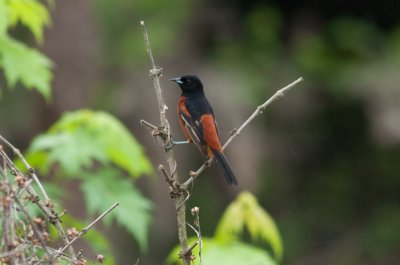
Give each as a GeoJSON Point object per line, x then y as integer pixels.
{"type": "Point", "coordinates": [177, 80]}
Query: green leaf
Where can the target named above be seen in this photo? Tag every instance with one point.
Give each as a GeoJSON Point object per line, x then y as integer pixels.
{"type": "Point", "coordinates": [117, 142]}
{"type": "Point", "coordinates": [104, 187]}
{"type": "Point", "coordinates": [79, 138]}
{"type": "Point", "coordinates": [4, 17]}
{"type": "Point", "coordinates": [233, 253]}
{"type": "Point", "coordinates": [31, 14]}
{"type": "Point", "coordinates": [73, 152]}
{"type": "Point", "coordinates": [21, 63]}
{"type": "Point", "coordinates": [245, 212]}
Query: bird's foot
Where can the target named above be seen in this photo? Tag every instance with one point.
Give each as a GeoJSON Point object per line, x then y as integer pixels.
{"type": "Point", "coordinates": [180, 142]}
{"type": "Point", "coordinates": [172, 143]}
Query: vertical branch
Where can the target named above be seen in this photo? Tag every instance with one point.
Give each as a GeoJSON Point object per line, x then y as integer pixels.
{"type": "Point", "coordinates": [155, 73]}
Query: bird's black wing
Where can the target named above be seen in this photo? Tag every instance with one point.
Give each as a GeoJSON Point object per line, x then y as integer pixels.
{"type": "Point", "coordinates": [196, 106]}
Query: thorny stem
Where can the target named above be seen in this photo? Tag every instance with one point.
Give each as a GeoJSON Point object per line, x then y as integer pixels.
{"type": "Point", "coordinates": [155, 73]}
{"type": "Point", "coordinates": [259, 110]}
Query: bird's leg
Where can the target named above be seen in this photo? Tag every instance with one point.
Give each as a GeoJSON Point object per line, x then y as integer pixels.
{"type": "Point", "coordinates": [172, 143]}
{"type": "Point", "coordinates": [180, 142]}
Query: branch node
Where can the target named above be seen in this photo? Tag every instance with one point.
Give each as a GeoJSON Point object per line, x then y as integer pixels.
{"type": "Point", "coordinates": [155, 72]}
{"type": "Point", "coordinates": [148, 124]}
{"type": "Point", "coordinates": [53, 219]}
{"type": "Point", "coordinates": [188, 255]}
{"type": "Point", "coordinates": [65, 212]}
{"type": "Point", "coordinates": [168, 146]}
{"type": "Point", "coordinates": [169, 179]}
{"type": "Point", "coordinates": [16, 151]}
{"type": "Point", "coordinates": [35, 199]}
{"type": "Point", "coordinates": [195, 210]}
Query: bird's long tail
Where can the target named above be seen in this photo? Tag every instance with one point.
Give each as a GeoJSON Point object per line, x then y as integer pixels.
{"type": "Point", "coordinates": [225, 167]}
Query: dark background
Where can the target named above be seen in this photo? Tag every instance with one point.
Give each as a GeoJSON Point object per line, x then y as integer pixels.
{"type": "Point", "coordinates": [324, 161]}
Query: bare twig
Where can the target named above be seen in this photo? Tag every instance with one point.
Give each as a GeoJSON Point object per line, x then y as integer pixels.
{"type": "Point", "coordinates": [167, 177]}
{"type": "Point", "coordinates": [279, 94]}
{"type": "Point", "coordinates": [47, 208]}
{"type": "Point", "coordinates": [196, 212]}
{"type": "Point", "coordinates": [35, 229]}
{"type": "Point", "coordinates": [155, 73]}
{"type": "Point", "coordinates": [86, 229]}
{"type": "Point", "coordinates": [148, 124]}
{"type": "Point", "coordinates": [28, 167]}
{"type": "Point", "coordinates": [12, 252]}
{"type": "Point", "coordinates": [137, 261]}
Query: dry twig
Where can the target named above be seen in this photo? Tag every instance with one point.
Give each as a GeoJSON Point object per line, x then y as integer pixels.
{"type": "Point", "coordinates": [86, 229]}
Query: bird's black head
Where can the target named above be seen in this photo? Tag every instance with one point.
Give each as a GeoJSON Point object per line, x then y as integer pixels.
{"type": "Point", "coordinates": [190, 84]}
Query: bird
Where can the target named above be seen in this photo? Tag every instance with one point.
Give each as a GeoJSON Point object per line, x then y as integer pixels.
{"type": "Point", "coordinates": [197, 121]}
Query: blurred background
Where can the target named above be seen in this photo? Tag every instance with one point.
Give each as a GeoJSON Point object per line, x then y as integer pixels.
{"type": "Point", "coordinates": [324, 161]}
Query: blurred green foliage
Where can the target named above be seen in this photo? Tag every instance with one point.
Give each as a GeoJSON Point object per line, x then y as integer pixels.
{"type": "Point", "coordinates": [234, 253]}
{"type": "Point", "coordinates": [338, 182]}
{"type": "Point", "coordinates": [81, 137]}
{"type": "Point", "coordinates": [228, 246]}
{"type": "Point", "coordinates": [35, 72]}
{"type": "Point", "coordinates": [97, 149]}
{"type": "Point", "coordinates": [243, 213]}
{"type": "Point", "coordinates": [102, 188]}
{"type": "Point", "coordinates": [122, 37]}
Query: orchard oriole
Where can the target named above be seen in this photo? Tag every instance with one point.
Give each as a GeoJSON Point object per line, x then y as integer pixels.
{"type": "Point", "coordinates": [197, 121]}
